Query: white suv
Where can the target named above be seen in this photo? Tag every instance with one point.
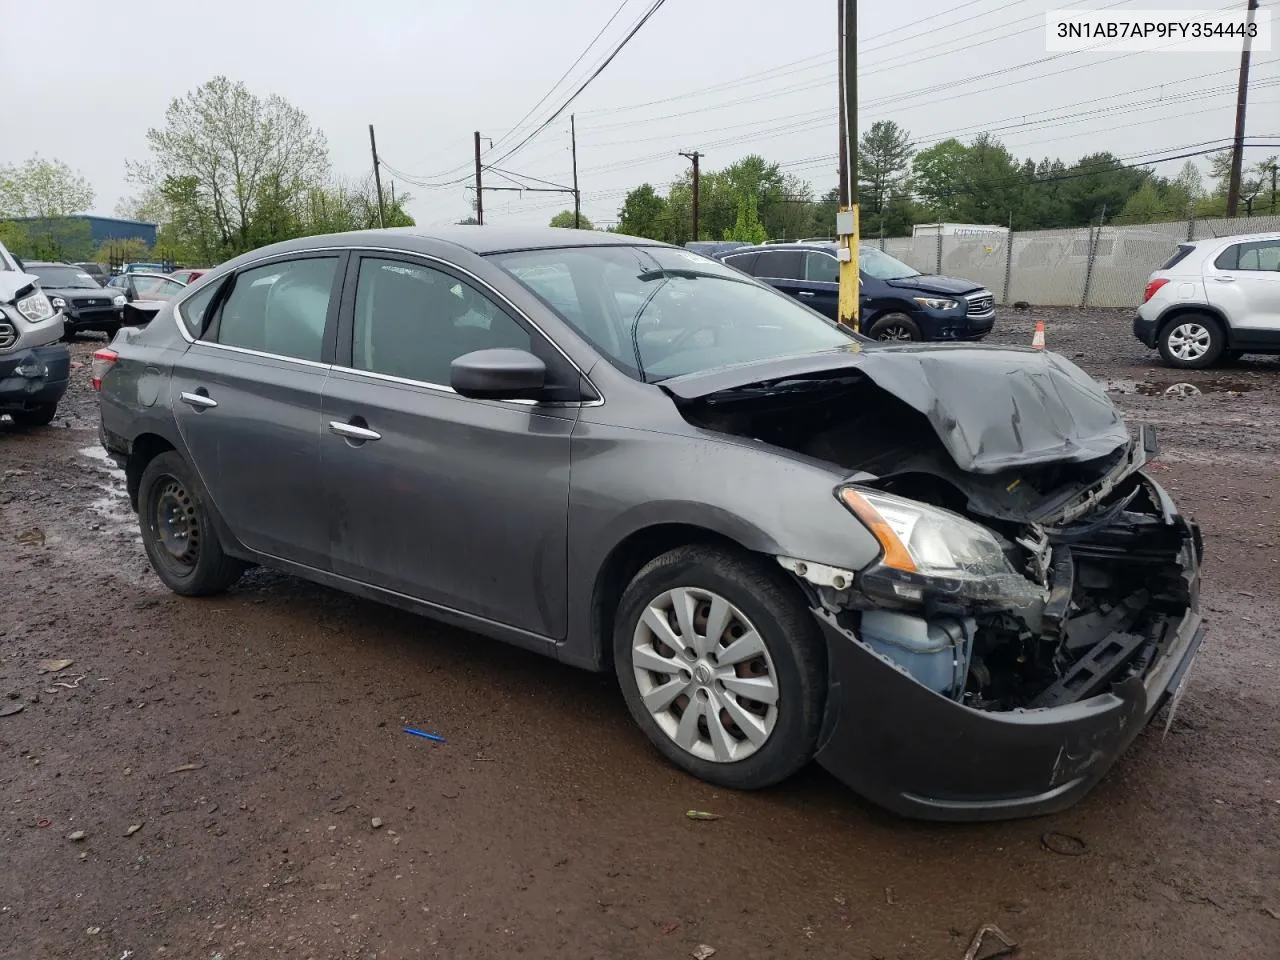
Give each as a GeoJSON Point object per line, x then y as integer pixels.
{"type": "Point", "coordinates": [1214, 299]}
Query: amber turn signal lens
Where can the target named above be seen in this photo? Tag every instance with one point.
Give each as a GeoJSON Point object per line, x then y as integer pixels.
{"type": "Point", "coordinates": [895, 552]}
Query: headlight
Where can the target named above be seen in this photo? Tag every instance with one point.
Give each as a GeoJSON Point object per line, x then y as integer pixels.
{"type": "Point", "coordinates": [119, 300]}
{"type": "Point", "coordinates": [36, 307]}
{"type": "Point", "coordinates": [918, 538]}
{"type": "Point", "coordinates": [58, 303]}
{"type": "Point", "coordinates": [936, 303]}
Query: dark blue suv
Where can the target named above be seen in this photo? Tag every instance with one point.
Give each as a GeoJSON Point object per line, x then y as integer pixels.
{"type": "Point", "coordinates": [897, 302]}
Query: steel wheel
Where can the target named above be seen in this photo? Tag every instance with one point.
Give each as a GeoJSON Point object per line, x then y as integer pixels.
{"type": "Point", "coordinates": [176, 526]}
{"type": "Point", "coordinates": [704, 674]}
{"type": "Point", "coordinates": [1189, 341]}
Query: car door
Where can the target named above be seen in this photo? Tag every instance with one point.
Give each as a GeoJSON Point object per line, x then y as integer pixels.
{"type": "Point", "coordinates": [458, 502]}
{"type": "Point", "coordinates": [822, 283]}
{"type": "Point", "coordinates": [1243, 280]}
{"type": "Point", "coordinates": [247, 397]}
{"type": "Point", "coordinates": [784, 270]}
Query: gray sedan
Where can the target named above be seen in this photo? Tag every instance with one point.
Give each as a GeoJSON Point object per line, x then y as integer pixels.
{"type": "Point", "coordinates": [940, 571]}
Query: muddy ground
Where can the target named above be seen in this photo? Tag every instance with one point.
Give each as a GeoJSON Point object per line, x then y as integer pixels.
{"type": "Point", "coordinates": [254, 738]}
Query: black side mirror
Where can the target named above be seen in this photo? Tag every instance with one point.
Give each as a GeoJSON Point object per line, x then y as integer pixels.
{"type": "Point", "coordinates": [498, 374]}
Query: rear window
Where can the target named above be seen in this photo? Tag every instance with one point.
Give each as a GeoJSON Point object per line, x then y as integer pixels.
{"type": "Point", "coordinates": [1178, 256]}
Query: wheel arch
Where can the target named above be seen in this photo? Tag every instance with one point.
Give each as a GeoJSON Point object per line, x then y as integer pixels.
{"type": "Point", "coordinates": [145, 448]}
{"type": "Point", "coordinates": [628, 557]}
{"type": "Point", "coordinates": [1171, 315]}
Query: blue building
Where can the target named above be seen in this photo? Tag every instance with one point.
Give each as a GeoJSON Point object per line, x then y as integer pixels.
{"type": "Point", "coordinates": [110, 228]}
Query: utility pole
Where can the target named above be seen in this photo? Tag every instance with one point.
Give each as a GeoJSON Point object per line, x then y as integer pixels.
{"type": "Point", "coordinates": [1242, 99]}
{"type": "Point", "coordinates": [577, 197]}
{"type": "Point", "coordinates": [847, 218]}
{"type": "Point", "coordinates": [377, 176]}
{"type": "Point", "coordinates": [479, 187]}
{"type": "Point", "coordinates": [1273, 188]}
{"type": "Point", "coordinates": [694, 156]}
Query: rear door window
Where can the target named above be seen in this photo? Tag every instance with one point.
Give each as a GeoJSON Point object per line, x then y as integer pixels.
{"type": "Point", "coordinates": [1257, 255]}
{"type": "Point", "coordinates": [280, 309]}
{"type": "Point", "coordinates": [746, 262]}
{"type": "Point", "coordinates": [780, 265]}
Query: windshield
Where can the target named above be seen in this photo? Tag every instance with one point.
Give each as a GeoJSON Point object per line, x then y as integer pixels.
{"type": "Point", "coordinates": [880, 266]}
{"type": "Point", "coordinates": [657, 312]}
{"type": "Point", "coordinates": [63, 277]}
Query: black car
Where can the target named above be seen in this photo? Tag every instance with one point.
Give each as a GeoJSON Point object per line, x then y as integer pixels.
{"type": "Point", "coordinates": [85, 304]}
{"type": "Point", "coordinates": [897, 302]}
{"type": "Point", "coordinates": [95, 270]}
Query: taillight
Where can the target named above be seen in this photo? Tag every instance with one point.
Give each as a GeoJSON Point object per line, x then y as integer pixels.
{"type": "Point", "coordinates": [1152, 287]}
{"type": "Point", "coordinates": [102, 362]}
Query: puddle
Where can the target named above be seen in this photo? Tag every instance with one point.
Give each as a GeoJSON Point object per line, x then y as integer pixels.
{"type": "Point", "coordinates": [1175, 388]}
{"type": "Point", "coordinates": [112, 507]}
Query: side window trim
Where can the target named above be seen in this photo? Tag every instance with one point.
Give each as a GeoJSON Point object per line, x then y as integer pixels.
{"type": "Point", "coordinates": [213, 327]}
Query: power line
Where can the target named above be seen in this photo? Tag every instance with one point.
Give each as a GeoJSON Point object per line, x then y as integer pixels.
{"type": "Point", "coordinates": [555, 86]}
{"type": "Point", "coordinates": [657, 4]}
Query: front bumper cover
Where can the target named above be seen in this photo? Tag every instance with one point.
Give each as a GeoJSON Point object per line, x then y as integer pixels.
{"type": "Point", "coordinates": [923, 755]}
{"type": "Point", "coordinates": [19, 391]}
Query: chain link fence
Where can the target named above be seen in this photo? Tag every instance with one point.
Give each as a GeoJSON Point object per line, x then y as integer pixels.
{"type": "Point", "coordinates": [1081, 267]}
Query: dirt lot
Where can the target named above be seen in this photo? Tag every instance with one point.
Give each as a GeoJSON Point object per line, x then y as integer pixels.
{"type": "Point", "coordinates": [255, 737]}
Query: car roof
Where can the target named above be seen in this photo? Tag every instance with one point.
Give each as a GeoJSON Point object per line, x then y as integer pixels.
{"type": "Point", "coordinates": [798, 245]}
{"type": "Point", "coordinates": [1238, 238]}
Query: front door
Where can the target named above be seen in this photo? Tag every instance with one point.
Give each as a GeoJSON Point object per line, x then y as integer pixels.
{"type": "Point", "coordinates": [247, 399]}
{"type": "Point", "coordinates": [461, 503]}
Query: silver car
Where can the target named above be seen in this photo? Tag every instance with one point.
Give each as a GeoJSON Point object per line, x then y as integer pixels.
{"type": "Point", "coordinates": [940, 571]}
{"type": "Point", "coordinates": [1213, 300]}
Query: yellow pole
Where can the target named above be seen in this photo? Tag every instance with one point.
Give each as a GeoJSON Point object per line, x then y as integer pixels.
{"type": "Point", "coordinates": [847, 219]}
{"type": "Point", "coordinates": [849, 272]}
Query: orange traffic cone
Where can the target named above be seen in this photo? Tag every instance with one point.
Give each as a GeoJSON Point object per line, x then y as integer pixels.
{"type": "Point", "coordinates": [1037, 342]}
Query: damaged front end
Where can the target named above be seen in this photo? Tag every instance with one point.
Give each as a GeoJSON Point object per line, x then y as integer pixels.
{"type": "Point", "coordinates": [1004, 680]}
{"type": "Point", "coordinates": [1026, 616]}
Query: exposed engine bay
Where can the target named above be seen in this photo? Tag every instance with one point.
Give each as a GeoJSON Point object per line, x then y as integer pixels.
{"type": "Point", "coordinates": [1074, 575]}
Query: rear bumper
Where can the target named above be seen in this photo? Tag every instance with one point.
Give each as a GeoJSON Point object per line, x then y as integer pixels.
{"type": "Point", "coordinates": [1144, 329]}
{"type": "Point", "coordinates": [34, 378]}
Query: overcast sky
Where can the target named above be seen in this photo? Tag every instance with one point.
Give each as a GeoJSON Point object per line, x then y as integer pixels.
{"type": "Point", "coordinates": [725, 78]}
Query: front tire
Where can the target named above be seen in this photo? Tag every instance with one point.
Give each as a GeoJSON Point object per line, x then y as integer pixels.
{"type": "Point", "coordinates": [177, 533]}
{"type": "Point", "coordinates": [895, 328]}
{"type": "Point", "coordinates": [722, 666]}
{"type": "Point", "coordinates": [1192, 341]}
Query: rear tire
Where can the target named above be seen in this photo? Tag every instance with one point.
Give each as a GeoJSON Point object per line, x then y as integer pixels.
{"type": "Point", "coordinates": [40, 416]}
{"type": "Point", "coordinates": [1192, 341]}
{"type": "Point", "coordinates": [895, 327]}
{"type": "Point", "coordinates": [720, 678]}
{"type": "Point", "coordinates": [177, 533]}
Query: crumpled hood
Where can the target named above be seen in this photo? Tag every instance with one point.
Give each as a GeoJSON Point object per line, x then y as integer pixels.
{"type": "Point", "coordinates": [11, 282]}
{"type": "Point", "coordinates": [992, 407]}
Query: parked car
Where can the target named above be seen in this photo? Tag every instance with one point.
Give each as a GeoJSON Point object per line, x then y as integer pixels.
{"type": "Point", "coordinates": [1213, 300]}
{"type": "Point", "coordinates": [95, 270]}
{"type": "Point", "coordinates": [788, 541]}
{"type": "Point", "coordinates": [85, 304]}
{"type": "Point", "coordinates": [140, 268]}
{"type": "Point", "coordinates": [145, 294]}
{"type": "Point", "coordinates": [34, 366]}
{"type": "Point", "coordinates": [896, 302]}
{"type": "Point", "coordinates": [187, 275]}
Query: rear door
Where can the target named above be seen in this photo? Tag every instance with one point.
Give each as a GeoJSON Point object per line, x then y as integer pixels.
{"type": "Point", "coordinates": [458, 502]}
{"type": "Point", "coordinates": [1243, 280]}
{"type": "Point", "coordinates": [821, 283]}
{"type": "Point", "coordinates": [247, 398]}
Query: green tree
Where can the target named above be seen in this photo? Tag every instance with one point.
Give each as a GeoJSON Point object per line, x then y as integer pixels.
{"type": "Point", "coordinates": [884, 164]}
{"type": "Point", "coordinates": [43, 189]}
{"type": "Point", "coordinates": [643, 213]}
{"type": "Point", "coordinates": [747, 227]}
{"type": "Point", "coordinates": [1097, 183]}
{"type": "Point", "coordinates": [939, 173]}
{"type": "Point", "coordinates": [238, 156]}
{"type": "Point", "coordinates": [565, 219]}
{"type": "Point", "coordinates": [15, 238]}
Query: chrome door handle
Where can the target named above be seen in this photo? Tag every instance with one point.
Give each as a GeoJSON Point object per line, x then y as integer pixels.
{"type": "Point", "coordinates": [806, 293]}
{"type": "Point", "coordinates": [352, 431]}
{"type": "Point", "coordinates": [1225, 279]}
{"type": "Point", "coordinates": [199, 401]}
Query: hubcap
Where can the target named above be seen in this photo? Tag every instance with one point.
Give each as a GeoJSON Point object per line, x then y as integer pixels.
{"type": "Point", "coordinates": [705, 675]}
{"type": "Point", "coordinates": [895, 333]}
{"type": "Point", "coordinates": [1189, 341]}
{"type": "Point", "coordinates": [175, 524]}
